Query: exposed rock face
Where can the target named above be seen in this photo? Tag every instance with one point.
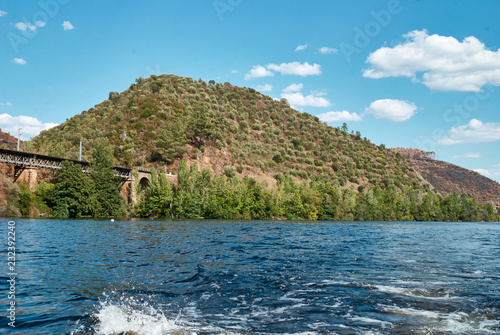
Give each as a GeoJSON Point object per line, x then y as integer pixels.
{"type": "Point", "coordinates": [449, 178]}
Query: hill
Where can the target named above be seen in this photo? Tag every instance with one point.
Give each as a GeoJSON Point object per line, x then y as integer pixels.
{"type": "Point", "coordinates": [448, 178]}
{"type": "Point", "coordinates": [229, 129]}
{"type": "Point", "coordinates": [7, 141]}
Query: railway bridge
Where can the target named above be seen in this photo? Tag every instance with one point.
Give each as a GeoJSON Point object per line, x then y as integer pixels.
{"type": "Point", "coordinates": [27, 165]}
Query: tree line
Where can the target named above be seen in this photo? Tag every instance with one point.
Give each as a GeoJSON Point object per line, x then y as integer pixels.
{"type": "Point", "coordinates": [202, 195]}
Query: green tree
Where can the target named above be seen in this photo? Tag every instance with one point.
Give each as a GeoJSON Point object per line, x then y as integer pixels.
{"type": "Point", "coordinates": [71, 195]}
{"type": "Point", "coordinates": [8, 206]}
{"type": "Point", "coordinates": [187, 202]}
{"type": "Point", "coordinates": [27, 201]}
{"type": "Point", "coordinates": [107, 200]}
{"type": "Point", "coordinates": [199, 126]}
{"type": "Point", "coordinates": [156, 200]}
{"type": "Point", "coordinates": [172, 140]}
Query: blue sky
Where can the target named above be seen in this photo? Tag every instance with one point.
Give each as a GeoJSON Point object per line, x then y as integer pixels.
{"type": "Point", "coordinates": [423, 74]}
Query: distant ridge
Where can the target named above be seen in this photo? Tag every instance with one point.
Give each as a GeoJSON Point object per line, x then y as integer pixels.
{"type": "Point", "coordinates": [448, 178]}
{"type": "Point", "coordinates": [7, 141]}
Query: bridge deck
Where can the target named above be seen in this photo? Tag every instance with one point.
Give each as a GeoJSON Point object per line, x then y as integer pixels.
{"type": "Point", "coordinates": [27, 159]}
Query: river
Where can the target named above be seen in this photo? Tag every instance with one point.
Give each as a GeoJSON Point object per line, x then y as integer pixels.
{"type": "Point", "coordinates": [253, 277]}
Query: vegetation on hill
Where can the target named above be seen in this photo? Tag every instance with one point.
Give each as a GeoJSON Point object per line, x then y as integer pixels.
{"type": "Point", "coordinates": [165, 118]}
{"type": "Point", "coordinates": [9, 197]}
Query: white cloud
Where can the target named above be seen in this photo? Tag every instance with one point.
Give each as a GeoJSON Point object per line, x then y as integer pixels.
{"type": "Point", "coordinates": [327, 50]}
{"type": "Point", "coordinates": [297, 68]}
{"type": "Point", "coordinates": [468, 155]}
{"type": "Point", "coordinates": [19, 61]}
{"type": "Point", "coordinates": [6, 104]}
{"type": "Point", "coordinates": [2, 13]}
{"type": "Point", "coordinates": [25, 26]}
{"type": "Point", "coordinates": [264, 88]}
{"type": "Point", "coordinates": [298, 99]}
{"type": "Point", "coordinates": [293, 95]}
{"type": "Point", "coordinates": [258, 71]}
{"type": "Point", "coordinates": [67, 25]}
{"type": "Point", "coordinates": [293, 88]}
{"type": "Point", "coordinates": [391, 109]}
{"type": "Point", "coordinates": [339, 116]}
{"type": "Point", "coordinates": [301, 47]}
{"type": "Point", "coordinates": [30, 126]}
{"type": "Point", "coordinates": [474, 132]}
{"type": "Point", "coordinates": [492, 174]}
{"type": "Point", "coordinates": [445, 63]}
{"type": "Point", "coordinates": [235, 71]}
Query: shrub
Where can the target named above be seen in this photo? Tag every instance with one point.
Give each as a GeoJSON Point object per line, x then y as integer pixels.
{"type": "Point", "coordinates": [302, 174]}
{"type": "Point", "coordinates": [278, 158]}
{"type": "Point", "coordinates": [229, 171]}
{"type": "Point", "coordinates": [256, 126]}
{"type": "Point", "coordinates": [318, 162]}
{"type": "Point", "coordinates": [219, 144]}
{"type": "Point", "coordinates": [147, 113]}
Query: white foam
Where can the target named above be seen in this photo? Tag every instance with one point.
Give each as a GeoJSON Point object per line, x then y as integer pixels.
{"type": "Point", "coordinates": [116, 319]}
{"type": "Point", "coordinates": [370, 320]}
{"type": "Point", "coordinates": [289, 297]}
{"type": "Point", "coordinates": [328, 283]}
{"type": "Point", "coordinates": [412, 292]}
{"type": "Point", "coordinates": [449, 322]}
{"type": "Point", "coordinates": [411, 312]}
{"type": "Point", "coordinates": [389, 289]}
{"type": "Point", "coordinates": [281, 310]}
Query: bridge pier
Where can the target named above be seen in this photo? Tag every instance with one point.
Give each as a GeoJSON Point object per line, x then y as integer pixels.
{"type": "Point", "coordinates": [129, 187]}
{"type": "Point", "coordinates": [27, 175]}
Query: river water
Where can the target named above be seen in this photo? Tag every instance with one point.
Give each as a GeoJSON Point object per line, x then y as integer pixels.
{"type": "Point", "coordinates": [244, 277]}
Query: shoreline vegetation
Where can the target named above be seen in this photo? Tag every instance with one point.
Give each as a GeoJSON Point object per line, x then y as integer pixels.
{"type": "Point", "coordinates": [202, 195]}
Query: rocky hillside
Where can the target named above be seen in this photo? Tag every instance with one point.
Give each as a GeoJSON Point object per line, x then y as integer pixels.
{"type": "Point", "coordinates": [7, 141]}
{"type": "Point", "coordinates": [162, 119]}
{"type": "Point", "coordinates": [448, 178]}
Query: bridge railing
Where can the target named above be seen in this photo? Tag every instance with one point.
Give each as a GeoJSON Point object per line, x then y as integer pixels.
{"type": "Point", "coordinates": [20, 158]}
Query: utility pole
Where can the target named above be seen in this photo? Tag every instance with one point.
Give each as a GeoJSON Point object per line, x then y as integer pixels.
{"type": "Point", "coordinates": [80, 151]}
{"type": "Point", "coordinates": [18, 136]}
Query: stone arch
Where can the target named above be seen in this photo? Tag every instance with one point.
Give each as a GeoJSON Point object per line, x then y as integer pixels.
{"type": "Point", "coordinates": [144, 183]}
